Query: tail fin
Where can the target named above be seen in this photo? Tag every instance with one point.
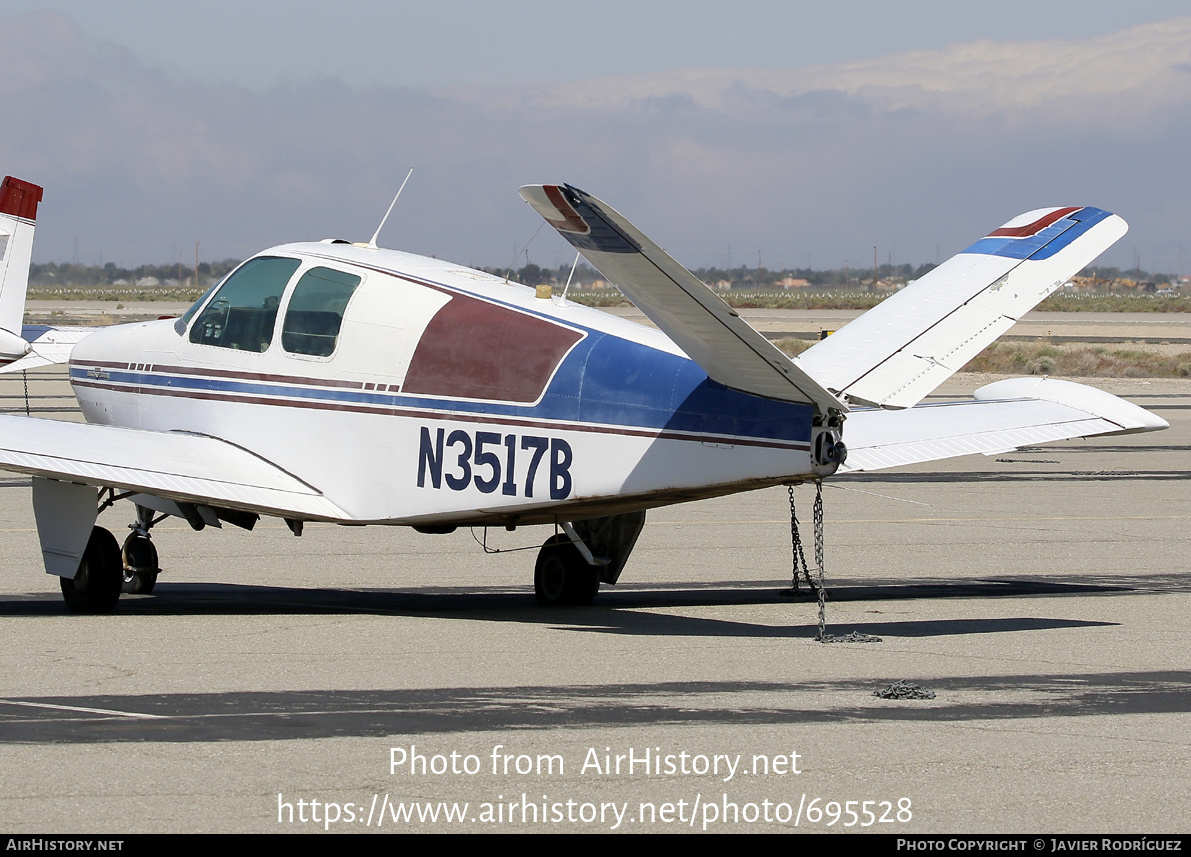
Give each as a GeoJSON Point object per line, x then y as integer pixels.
{"type": "Point", "coordinates": [18, 213]}
{"type": "Point", "coordinates": [905, 347]}
{"type": "Point", "coordinates": [700, 323]}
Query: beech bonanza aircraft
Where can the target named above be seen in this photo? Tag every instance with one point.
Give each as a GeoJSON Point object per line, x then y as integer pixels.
{"type": "Point", "coordinates": [344, 383]}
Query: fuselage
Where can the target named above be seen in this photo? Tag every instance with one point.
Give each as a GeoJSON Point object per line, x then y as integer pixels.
{"type": "Point", "coordinates": [410, 390]}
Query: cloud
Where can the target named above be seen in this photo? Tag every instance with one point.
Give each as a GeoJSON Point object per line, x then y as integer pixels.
{"type": "Point", "coordinates": [816, 166]}
{"type": "Point", "coordinates": [985, 76]}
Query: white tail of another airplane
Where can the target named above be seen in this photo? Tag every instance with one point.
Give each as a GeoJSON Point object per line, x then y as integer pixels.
{"type": "Point", "coordinates": [18, 213]}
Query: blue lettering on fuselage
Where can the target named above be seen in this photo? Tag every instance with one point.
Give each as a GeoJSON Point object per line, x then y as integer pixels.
{"type": "Point", "coordinates": [462, 459]}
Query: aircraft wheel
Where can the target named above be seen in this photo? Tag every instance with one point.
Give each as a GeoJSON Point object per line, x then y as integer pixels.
{"type": "Point", "coordinates": [562, 576]}
{"type": "Point", "coordinates": [97, 583]}
{"type": "Point", "coordinates": [140, 564]}
{"type": "Point", "coordinates": [139, 582]}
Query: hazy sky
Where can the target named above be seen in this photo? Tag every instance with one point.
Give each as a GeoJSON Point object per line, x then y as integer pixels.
{"type": "Point", "coordinates": [806, 133]}
{"type": "Point", "coordinates": [258, 43]}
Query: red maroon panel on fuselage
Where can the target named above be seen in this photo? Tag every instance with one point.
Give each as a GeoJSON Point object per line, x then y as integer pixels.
{"type": "Point", "coordinates": [473, 349]}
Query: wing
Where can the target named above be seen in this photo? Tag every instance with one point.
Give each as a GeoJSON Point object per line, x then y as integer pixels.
{"type": "Point", "coordinates": [47, 345]}
{"type": "Point", "coordinates": [173, 465]}
{"type": "Point", "coordinates": [1004, 415]}
{"type": "Point", "coordinates": [709, 331]}
{"type": "Point", "coordinates": [902, 349]}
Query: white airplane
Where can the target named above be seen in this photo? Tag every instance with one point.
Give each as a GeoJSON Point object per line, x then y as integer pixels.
{"type": "Point", "coordinates": [344, 383]}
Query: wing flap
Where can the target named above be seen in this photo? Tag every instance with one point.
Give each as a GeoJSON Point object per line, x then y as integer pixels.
{"type": "Point", "coordinates": [709, 331]}
{"type": "Point", "coordinates": [178, 466]}
{"type": "Point", "coordinates": [1003, 416]}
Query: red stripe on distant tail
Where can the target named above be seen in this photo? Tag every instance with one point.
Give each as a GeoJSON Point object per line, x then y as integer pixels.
{"type": "Point", "coordinates": [1035, 227]}
{"type": "Point", "coordinates": [19, 198]}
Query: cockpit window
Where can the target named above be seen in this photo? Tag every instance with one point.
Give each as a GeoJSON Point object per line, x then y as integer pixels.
{"type": "Point", "coordinates": [194, 307]}
{"type": "Point", "coordinates": [243, 313]}
{"type": "Point", "coordinates": [315, 311]}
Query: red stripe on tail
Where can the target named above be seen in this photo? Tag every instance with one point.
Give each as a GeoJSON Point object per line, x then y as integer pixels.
{"type": "Point", "coordinates": [19, 198]}
{"type": "Point", "coordinates": [1035, 227]}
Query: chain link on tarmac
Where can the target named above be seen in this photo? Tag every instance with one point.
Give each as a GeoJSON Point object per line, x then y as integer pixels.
{"type": "Point", "coordinates": [904, 690]}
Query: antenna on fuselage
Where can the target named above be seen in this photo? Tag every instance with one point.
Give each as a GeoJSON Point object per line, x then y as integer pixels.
{"type": "Point", "coordinates": [371, 245]}
{"type": "Point", "coordinates": [524, 250]}
{"type": "Point", "coordinates": [563, 298]}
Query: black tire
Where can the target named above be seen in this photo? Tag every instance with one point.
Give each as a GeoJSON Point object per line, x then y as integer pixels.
{"type": "Point", "coordinates": [561, 575]}
{"type": "Point", "coordinates": [97, 583]}
{"type": "Point", "coordinates": [140, 564]}
{"type": "Point", "coordinates": [139, 582]}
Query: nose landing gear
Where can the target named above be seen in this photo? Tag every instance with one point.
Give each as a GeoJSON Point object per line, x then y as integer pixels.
{"type": "Point", "coordinates": [139, 556]}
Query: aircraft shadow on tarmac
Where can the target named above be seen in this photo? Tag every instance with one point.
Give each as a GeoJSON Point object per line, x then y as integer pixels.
{"type": "Point", "coordinates": [304, 715]}
{"type": "Point", "coordinates": [617, 611]}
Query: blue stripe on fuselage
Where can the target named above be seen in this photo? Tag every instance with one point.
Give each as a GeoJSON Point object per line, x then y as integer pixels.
{"type": "Point", "coordinates": [604, 380]}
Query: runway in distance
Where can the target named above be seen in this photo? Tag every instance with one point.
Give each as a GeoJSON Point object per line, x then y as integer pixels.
{"type": "Point", "coordinates": [339, 382]}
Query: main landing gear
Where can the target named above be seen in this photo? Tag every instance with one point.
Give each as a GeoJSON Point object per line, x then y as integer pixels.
{"type": "Point", "coordinates": [562, 575]}
{"type": "Point", "coordinates": [572, 564]}
{"type": "Point", "coordinates": [96, 585]}
{"type": "Point", "coordinates": [106, 569]}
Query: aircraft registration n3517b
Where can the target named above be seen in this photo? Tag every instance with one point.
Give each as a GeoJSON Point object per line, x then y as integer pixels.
{"type": "Point", "coordinates": [341, 382]}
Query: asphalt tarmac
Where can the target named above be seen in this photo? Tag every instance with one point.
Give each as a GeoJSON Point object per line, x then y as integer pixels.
{"type": "Point", "coordinates": [378, 680]}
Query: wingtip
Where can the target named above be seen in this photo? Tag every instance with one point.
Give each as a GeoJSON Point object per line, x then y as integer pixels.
{"type": "Point", "coordinates": [1130, 417]}
{"type": "Point", "coordinates": [557, 206]}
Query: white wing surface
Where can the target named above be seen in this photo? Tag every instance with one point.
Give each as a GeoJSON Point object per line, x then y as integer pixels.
{"type": "Point", "coordinates": [899, 351]}
{"type": "Point", "coordinates": [47, 345]}
{"type": "Point", "coordinates": [1003, 416]}
{"type": "Point", "coordinates": [173, 465]}
{"type": "Point", "coordinates": [709, 331]}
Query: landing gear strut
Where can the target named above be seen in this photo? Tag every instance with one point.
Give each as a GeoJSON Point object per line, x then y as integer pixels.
{"type": "Point", "coordinates": [139, 556]}
{"type": "Point", "coordinates": [96, 585]}
{"type": "Point", "coordinates": [572, 565]}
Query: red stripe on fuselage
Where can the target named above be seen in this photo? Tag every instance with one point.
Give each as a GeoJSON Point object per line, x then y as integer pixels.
{"type": "Point", "coordinates": [441, 416]}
